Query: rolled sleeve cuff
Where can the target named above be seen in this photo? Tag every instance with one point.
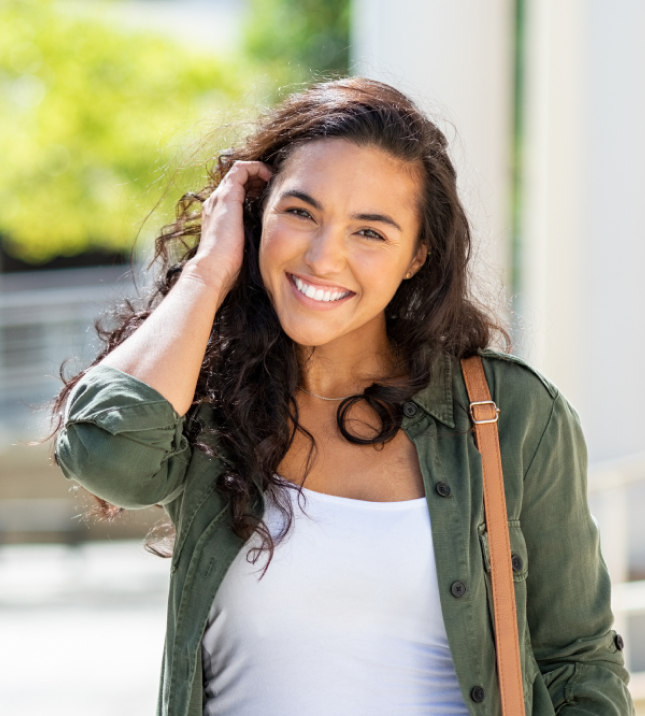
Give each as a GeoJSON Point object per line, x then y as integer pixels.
{"type": "Point", "coordinates": [123, 441]}
{"type": "Point", "coordinates": [118, 402]}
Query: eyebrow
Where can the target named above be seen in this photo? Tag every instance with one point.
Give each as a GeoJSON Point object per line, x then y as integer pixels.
{"type": "Point", "coordinates": [303, 197]}
{"type": "Point", "coordinates": [381, 218]}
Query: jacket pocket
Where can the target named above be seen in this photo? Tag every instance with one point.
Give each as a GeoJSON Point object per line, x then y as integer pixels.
{"type": "Point", "coordinates": [519, 552]}
{"type": "Point", "coordinates": [519, 556]}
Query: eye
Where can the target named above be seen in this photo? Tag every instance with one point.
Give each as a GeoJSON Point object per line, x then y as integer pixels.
{"type": "Point", "coordinates": [297, 211]}
{"type": "Point", "coordinates": [371, 234]}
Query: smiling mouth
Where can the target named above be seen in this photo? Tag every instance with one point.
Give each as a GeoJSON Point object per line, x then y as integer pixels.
{"type": "Point", "coordinates": [319, 294]}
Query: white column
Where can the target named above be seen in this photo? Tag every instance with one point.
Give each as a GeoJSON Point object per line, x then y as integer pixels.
{"type": "Point", "coordinates": [613, 237]}
{"type": "Point", "coordinates": [550, 299]}
{"type": "Point", "coordinates": [583, 292]}
{"type": "Point", "coordinates": [455, 58]}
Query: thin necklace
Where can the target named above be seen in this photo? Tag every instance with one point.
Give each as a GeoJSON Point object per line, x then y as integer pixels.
{"type": "Point", "coordinates": [322, 397]}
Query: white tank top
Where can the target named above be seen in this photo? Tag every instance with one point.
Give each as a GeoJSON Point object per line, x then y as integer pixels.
{"type": "Point", "coordinates": [346, 620]}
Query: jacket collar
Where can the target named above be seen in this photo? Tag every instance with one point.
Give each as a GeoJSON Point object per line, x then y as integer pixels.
{"type": "Point", "coordinates": [436, 397]}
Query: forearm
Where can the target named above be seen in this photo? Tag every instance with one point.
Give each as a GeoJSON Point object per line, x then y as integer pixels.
{"type": "Point", "coordinates": [167, 350]}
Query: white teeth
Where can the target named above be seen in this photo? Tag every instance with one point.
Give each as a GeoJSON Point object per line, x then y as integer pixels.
{"type": "Point", "coordinates": [318, 294]}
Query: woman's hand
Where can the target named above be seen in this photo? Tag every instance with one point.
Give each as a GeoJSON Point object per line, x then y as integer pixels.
{"type": "Point", "coordinates": [221, 247]}
{"type": "Point", "coordinates": [167, 350]}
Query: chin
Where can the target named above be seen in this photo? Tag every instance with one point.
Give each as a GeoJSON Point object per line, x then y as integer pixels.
{"type": "Point", "coordinates": [308, 335]}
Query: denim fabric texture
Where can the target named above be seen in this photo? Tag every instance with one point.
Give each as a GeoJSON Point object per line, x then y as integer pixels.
{"type": "Point", "coordinates": [125, 443]}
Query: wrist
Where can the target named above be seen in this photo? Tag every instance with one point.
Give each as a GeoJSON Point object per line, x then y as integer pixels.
{"type": "Point", "coordinates": [209, 276]}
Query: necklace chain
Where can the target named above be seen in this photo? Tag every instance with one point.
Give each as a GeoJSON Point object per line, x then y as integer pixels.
{"type": "Point", "coordinates": [322, 397]}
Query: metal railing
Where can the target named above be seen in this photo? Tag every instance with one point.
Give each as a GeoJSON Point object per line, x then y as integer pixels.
{"type": "Point", "coordinates": [46, 318]}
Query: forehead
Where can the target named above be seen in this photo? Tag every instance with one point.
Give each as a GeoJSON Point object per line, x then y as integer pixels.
{"type": "Point", "coordinates": [360, 178]}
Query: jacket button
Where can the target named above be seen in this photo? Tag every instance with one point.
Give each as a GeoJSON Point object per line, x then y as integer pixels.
{"type": "Point", "coordinates": [620, 642]}
{"type": "Point", "coordinates": [517, 563]}
{"type": "Point", "coordinates": [458, 589]}
{"type": "Point", "coordinates": [477, 694]}
{"type": "Point", "coordinates": [443, 489]}
{"type": "Point", "coordinates": [410, 409]}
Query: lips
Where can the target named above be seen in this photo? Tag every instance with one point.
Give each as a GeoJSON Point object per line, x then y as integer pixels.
{"type": "Point", "coordinates": [319, 293]}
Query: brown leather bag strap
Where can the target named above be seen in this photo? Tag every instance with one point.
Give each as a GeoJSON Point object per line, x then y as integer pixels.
{"type": "Point", "coordinates": [483, 413]}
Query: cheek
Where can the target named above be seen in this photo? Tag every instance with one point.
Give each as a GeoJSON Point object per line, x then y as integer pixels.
{"type": "Point", "coordinates": [280, 246]}
{"type": "Point", "coordinates": [272, 248]}
{"type": "Point", "coordinates": [380, 273]}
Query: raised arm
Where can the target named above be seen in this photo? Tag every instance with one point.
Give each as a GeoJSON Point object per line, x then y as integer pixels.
{"type": "Point", "coordinates": [167, 351]}
{"type": "Point", "coordinates": [123, 435]}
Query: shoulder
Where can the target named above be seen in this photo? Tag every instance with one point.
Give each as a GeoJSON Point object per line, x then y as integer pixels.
{"type": "Point", "coordinates": [516, 387]}
{"type": "Point", "coordinates": [533, 411]}
{"type": "Point", "coordinates": [520, 390]}
{"type": "Point", "coordinates": [528, 402]}
{"type": "Point", "coordinates": [512, 374]}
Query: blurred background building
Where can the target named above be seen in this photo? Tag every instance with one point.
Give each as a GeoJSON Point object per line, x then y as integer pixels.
{"type": "Point", "coordinates": [102, 105]}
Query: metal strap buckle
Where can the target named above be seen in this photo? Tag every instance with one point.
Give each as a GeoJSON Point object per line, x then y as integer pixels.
{"type": "Point", "coordinates": [484, 422]}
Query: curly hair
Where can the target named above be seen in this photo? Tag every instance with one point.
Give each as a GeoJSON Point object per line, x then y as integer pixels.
{"type": "Point", "coordinates": [250, 371]}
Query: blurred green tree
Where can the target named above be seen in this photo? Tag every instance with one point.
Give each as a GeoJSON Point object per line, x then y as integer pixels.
{"type": "Point", "coordinates": [91, 115]}
{"type": "Point", "coordinates": [300, 40]}
{"type": "Point", "coordinates": [88, 116]}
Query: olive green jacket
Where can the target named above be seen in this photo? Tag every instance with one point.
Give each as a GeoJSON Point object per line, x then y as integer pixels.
{"type": "Point", "coordinates": [125, 443]}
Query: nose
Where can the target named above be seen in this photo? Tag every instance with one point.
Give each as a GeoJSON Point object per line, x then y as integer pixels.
{"type": "Point", "coordinates": [325, 254]}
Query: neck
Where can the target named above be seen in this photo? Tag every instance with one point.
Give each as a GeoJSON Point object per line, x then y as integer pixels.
{"type": "Point", "coordinates": [348, 364]}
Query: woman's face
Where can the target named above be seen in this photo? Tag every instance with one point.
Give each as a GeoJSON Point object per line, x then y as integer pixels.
{"type": "Point", "coordinates": [339, 234]}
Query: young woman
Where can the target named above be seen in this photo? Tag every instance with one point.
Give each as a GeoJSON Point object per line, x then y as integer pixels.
{"type": "Point", "coordinates": [293, 397]}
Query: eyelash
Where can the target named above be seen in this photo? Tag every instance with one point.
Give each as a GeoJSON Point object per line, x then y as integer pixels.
{"type": "Point", "coordinates": [299, 212]}
{"type": "Point", "coordinates": [376, 236]}
{"type": "Point", "coordinates": [304, 214]}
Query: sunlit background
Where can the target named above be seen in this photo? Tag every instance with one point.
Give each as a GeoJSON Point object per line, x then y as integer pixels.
{"type": "Point", "coordinates": [110, 110]}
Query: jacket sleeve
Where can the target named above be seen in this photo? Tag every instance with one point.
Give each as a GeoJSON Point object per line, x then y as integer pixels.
{"type": "Point", "coordinates": [568, 586]}
{"type": "Point", "coordinates": [123, 441]}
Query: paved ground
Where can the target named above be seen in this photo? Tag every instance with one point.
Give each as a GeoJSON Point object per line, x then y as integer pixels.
{"type": "Point", "coordinates": [82, 629]}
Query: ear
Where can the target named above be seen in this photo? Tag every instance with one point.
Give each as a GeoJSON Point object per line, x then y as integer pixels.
{"type": "Point", "coordinates": [419, 258]}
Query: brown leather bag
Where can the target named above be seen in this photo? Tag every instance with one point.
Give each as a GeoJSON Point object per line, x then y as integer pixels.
{"type": "Point", "coordinates": [484, 414]}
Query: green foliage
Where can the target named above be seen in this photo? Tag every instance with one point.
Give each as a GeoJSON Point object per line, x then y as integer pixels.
{"type": "Point", "coordinates": [88, 113]}
{"type": "Point", "coordinates": [93, 117]}
{"type": "Point", "coordinates": [300, 39]}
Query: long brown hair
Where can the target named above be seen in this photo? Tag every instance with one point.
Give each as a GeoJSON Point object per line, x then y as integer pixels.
{"type": "Point", "coordinates": [250, 370]}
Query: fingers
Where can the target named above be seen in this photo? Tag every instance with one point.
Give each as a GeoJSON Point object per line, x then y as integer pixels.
{"type": "Point", "coordinates": [243, 173]}
{"type": "Point", "coordinates": [243, 179]}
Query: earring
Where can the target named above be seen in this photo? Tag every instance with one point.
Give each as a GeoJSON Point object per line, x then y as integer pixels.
{"type": "Point", "coordinates": [408, 274]}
